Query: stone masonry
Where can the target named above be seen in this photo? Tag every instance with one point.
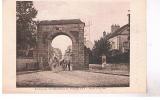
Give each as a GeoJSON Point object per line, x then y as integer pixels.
{"type": "Point", "coordinates": [48, 30]}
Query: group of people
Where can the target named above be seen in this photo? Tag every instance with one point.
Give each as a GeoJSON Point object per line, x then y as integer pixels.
{"type": "Point", "coordinates": [56, 63]}
{"type": "Point", "coordinates": [65, 64]}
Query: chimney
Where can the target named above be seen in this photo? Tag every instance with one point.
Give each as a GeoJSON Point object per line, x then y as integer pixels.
{"type": "Point", "coordinates": [129, 17]}
{"type": "Point", "coordinates": [114, 28]}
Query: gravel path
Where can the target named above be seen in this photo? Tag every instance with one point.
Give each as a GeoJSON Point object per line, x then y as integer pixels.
{"type": "Point", "coordinates": [70, 79]}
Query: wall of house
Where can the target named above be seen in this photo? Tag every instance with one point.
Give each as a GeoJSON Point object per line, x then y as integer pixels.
{"type": "Point", "coordinates": [114, 43]}
{"type": "Point", "coordinates": [120, 42]}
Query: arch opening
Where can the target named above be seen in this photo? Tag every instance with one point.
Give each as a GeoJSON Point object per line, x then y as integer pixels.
{"type": "Point", "coordinates": [60, 53]}
{"type": "Point", "coordinates": [62, 43]}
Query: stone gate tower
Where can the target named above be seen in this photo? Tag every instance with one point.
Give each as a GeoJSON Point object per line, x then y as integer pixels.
{"type": "Point", "coordinates": [48, 30]}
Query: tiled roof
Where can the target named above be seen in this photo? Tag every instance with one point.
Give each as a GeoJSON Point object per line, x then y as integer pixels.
{"type": "Point", "coordinates": [117, 32]}
{"type": "Point", "coordinates": [60, 22]}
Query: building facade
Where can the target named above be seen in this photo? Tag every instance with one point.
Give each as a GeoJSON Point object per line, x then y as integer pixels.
{"type": "Point", "coordinates": [119, 38]}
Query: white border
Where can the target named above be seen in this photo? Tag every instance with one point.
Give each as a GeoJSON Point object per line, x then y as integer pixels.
{"type": "Point", "coordinates": [153, 72]}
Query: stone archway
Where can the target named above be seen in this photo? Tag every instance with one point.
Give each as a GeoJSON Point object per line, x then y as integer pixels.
{"type": "Point", "coordinates": [48, 30]}
{"type": "Point", "coordinates": [51, 37]}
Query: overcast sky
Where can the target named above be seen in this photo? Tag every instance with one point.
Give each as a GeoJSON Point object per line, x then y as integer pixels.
{"type": "Point", "coordinates": [100, 13]}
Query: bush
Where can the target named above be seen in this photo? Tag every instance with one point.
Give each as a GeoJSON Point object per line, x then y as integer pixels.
{"type": "Point", "coordinates": [118, 57]}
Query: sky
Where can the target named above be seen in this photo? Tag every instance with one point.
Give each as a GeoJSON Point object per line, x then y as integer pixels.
{"type": "Point", "coordinates": [98, 15]}
{"type": "Point", "coordinates": [62, 45]}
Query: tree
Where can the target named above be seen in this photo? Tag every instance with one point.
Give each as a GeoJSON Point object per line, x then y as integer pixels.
{"type": "Point", "coordinates": [101, 47]}
{"type": "Point", "coordinates": [55, 52]}
{"type": "Point", "coordinates": [25, 26]}
{"type": "Point", "coordinates": [88, 52]}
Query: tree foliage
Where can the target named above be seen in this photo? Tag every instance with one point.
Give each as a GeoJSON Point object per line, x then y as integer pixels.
{"type": "Point", "coordinates": [116, 56]}
{"type": "Point", "coordinates": [25, 26]}
{"type": "Point", "coordinates": [101, 47]}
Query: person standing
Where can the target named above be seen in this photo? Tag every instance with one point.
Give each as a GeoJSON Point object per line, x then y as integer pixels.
{"type": "Point", "coordinates": [69, 68]}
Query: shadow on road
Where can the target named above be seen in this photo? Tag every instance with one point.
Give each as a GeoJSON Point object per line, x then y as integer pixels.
{"type": "Point", "coordinates": [27, 72]}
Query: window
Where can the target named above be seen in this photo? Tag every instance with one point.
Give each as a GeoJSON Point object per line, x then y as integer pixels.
{"type": "Point", "coordinates": [113, 45]}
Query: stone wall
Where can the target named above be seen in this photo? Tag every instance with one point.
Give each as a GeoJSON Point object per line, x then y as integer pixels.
{"type": "Point", "coordinates": [26, 64]}
{"type": "Point", "coordinates": [121, 66]}
{"type": "Point", "coordinates": [86, 59]}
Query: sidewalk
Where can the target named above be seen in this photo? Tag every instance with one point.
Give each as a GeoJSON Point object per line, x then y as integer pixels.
{"type": "Point", "coordinates": [112, 72]}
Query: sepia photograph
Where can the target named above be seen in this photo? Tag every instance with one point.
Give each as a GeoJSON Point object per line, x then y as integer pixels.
{"type": "Point", "coordinates": [73, 44]}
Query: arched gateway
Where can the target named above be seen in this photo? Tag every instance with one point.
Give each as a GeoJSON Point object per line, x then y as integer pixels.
{"type": "Point", "coordinates": [48, 30]}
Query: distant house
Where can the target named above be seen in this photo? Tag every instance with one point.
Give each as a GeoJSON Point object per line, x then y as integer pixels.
{"type": "Point", "coordinates": [119, 37]}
